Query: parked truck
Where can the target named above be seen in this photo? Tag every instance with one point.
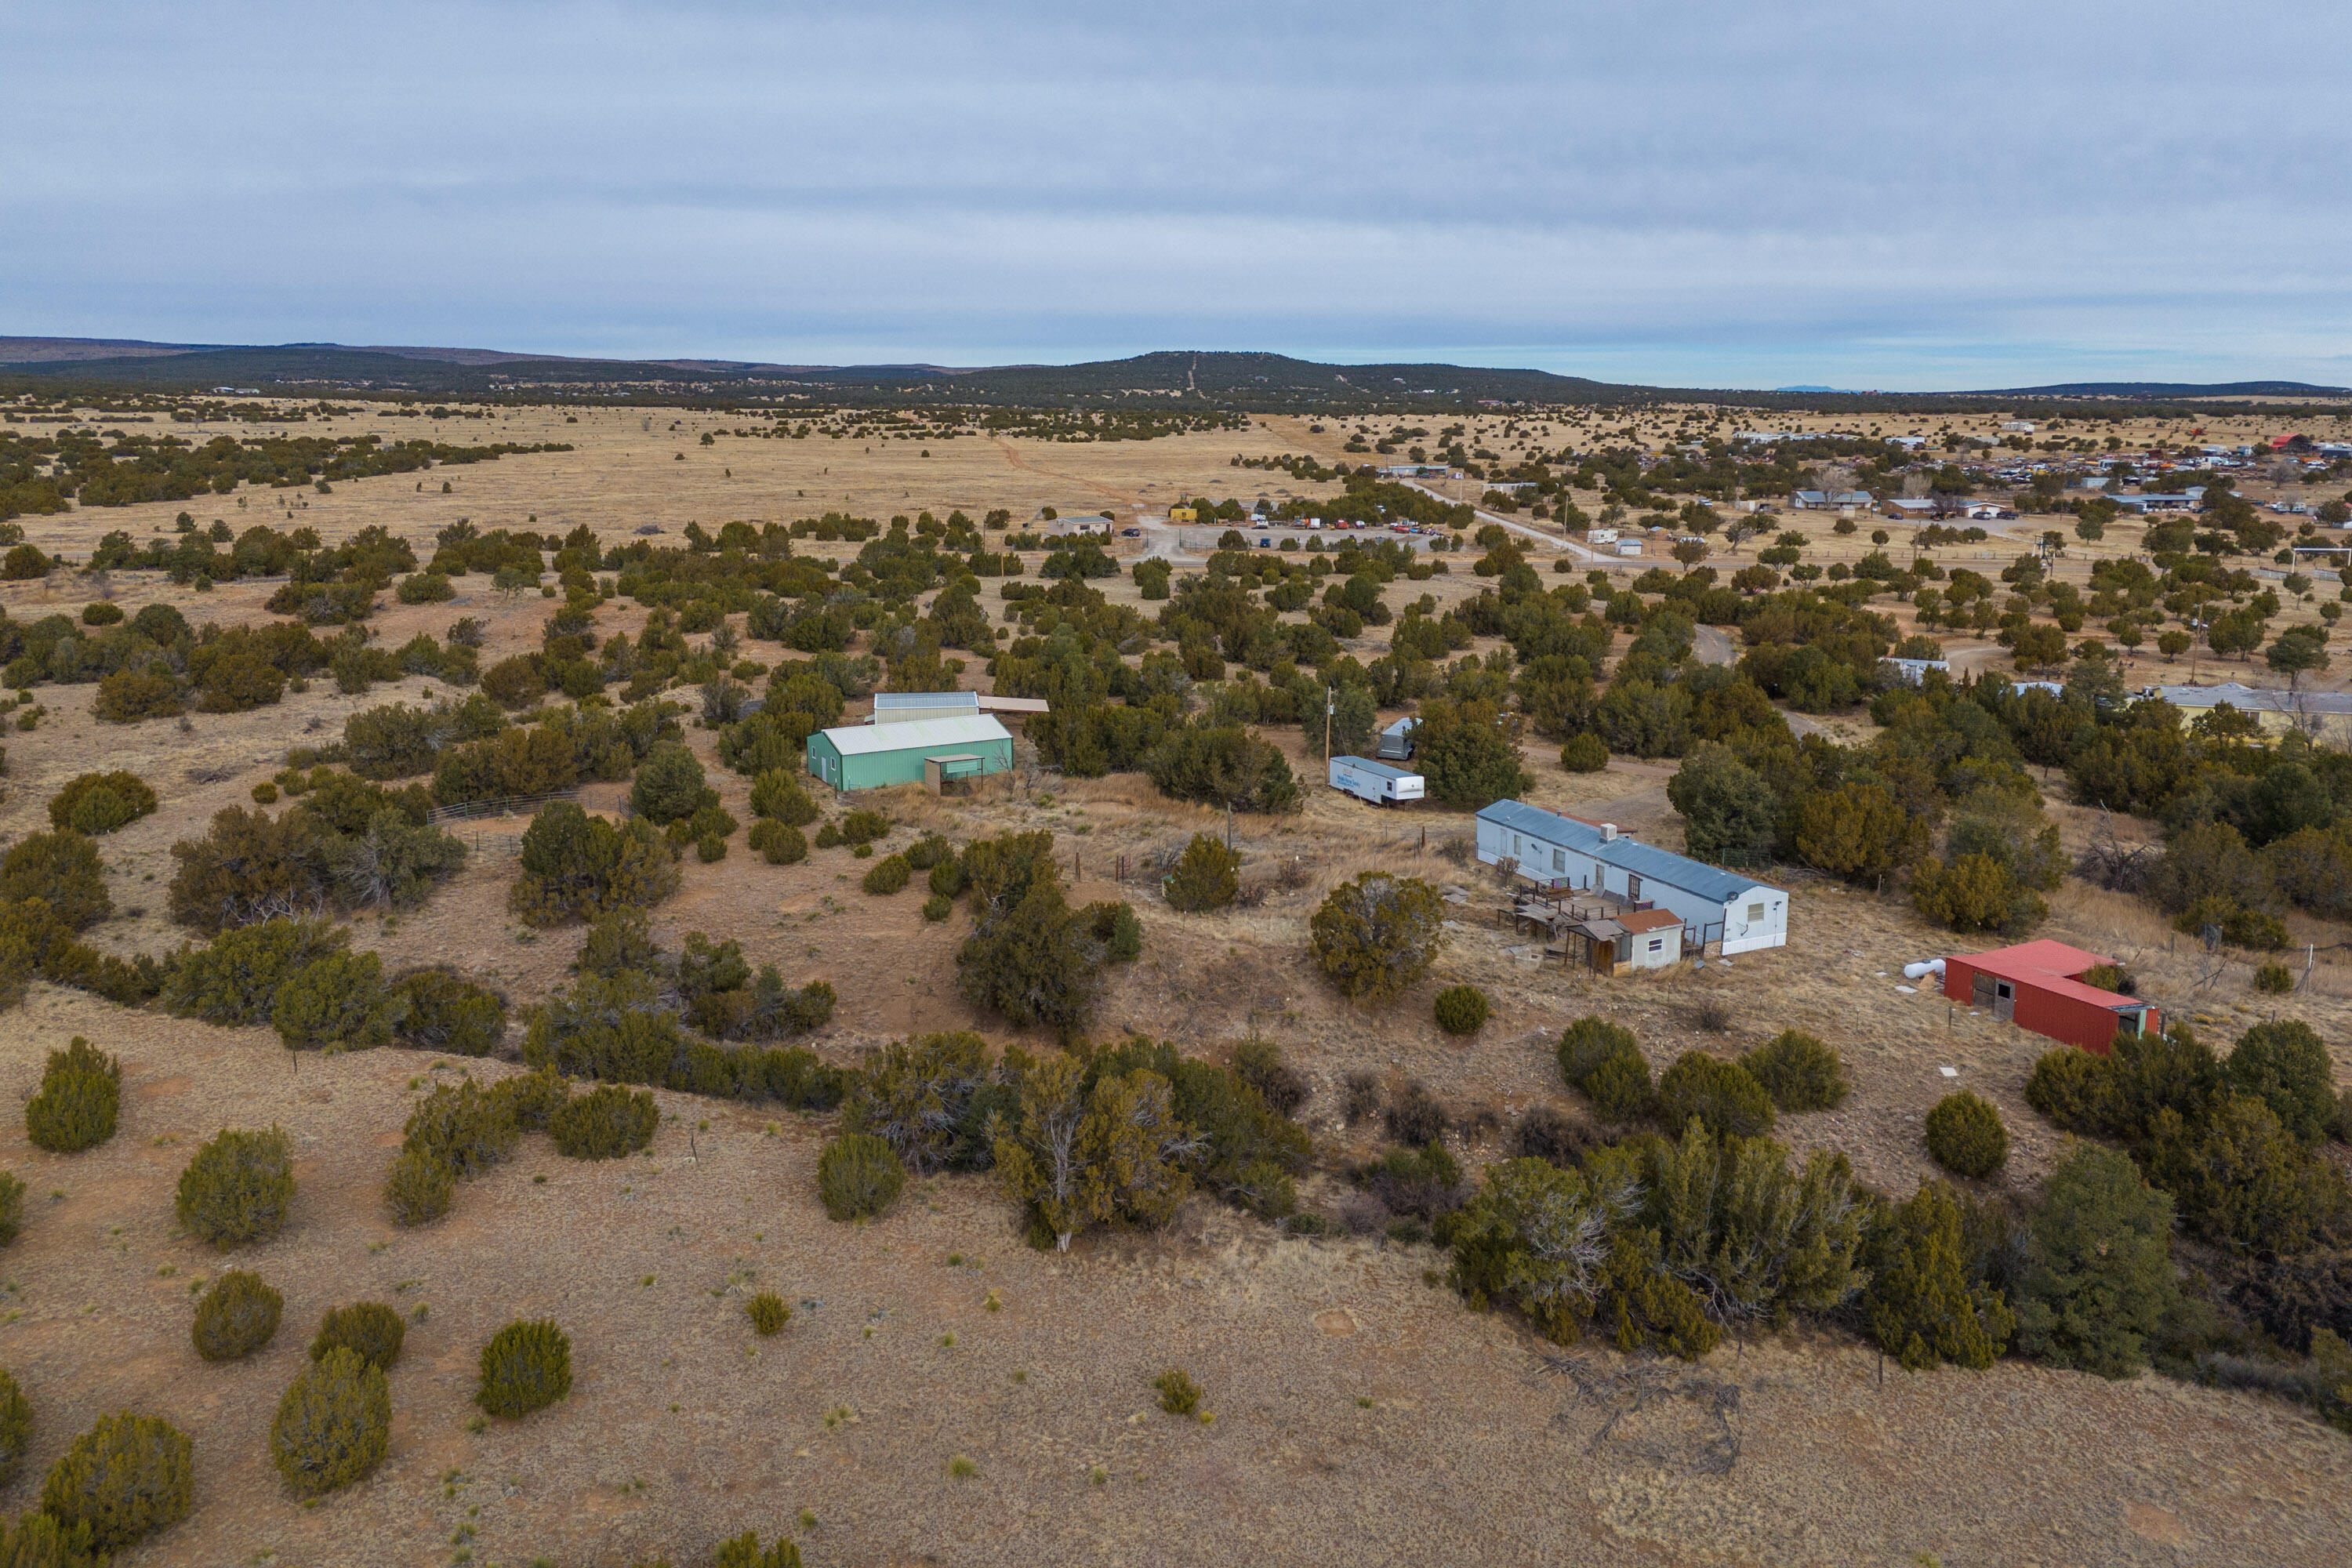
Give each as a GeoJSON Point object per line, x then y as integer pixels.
{"type": "Point", "coordinates": [1376, 782]}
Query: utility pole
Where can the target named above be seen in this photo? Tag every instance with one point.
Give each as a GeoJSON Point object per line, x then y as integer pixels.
{"type": "Point", "coordinates": [1331, 706]}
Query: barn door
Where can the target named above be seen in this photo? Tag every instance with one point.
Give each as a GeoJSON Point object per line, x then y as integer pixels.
{"type": "Point", "coordinates": [2004, 1000]}
{"type": "Point", "coordinates": [1981, 990]}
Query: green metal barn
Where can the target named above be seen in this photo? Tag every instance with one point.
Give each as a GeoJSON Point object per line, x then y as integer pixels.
{"type": "Point", "coordinates": [920, 751]}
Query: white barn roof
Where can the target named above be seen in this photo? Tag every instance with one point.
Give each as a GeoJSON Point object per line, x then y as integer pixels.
{"type": "Point", "coordinates": [863, 739]}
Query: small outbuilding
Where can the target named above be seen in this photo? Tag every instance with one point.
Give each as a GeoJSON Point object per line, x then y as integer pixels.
{"type": "Point", "coordinates": [869, 756]}
{"type": "Point", "coordinates": [2039, 985]}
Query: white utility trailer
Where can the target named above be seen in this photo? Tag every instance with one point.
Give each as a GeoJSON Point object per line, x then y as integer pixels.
{"type": "Point", "coordinates": [1376, 782]}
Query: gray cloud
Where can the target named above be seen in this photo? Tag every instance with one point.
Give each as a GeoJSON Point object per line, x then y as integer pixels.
{"type": "Point", "coordinates": [1879, 193]}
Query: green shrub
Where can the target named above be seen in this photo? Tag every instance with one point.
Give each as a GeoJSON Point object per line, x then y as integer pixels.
{"type": "Point", "coordinates": [780, 844]}
{"type": "Point", "coordinates": [864, 826]}
{"type": "Point", "coordinates": [669, 785]}
{"type": "Point", "coordinates": [928, 851]}
{"type": "Point", "coordinates": [239, 1187]}
{"type": "Point", "coordinates": [828, 836]}
{"type": "Point", "coordinates": [40, 1541]}
{"type": "Point", "coordinates": [424, 588]}
{"type": "Point", "coordinates": [887, 875]}
{"type": "Point", "coordinates": [710, 847]}
{"type": "Point", "coordinates": [1720, 1094]}
{"type": "Point", "coordinates": [1461, 1009]}
{"type": "Point", "coordinates": [531, 1098]}
{"type": "Point", "coordinates": [577, 866]}
{"type": "Point", "coordinates": [12, 1207]}
{"type": "Point", "coordinates": [333, 1425]}
{"type": "Point", "coordinates": [337, 1002]}
{"type": "Point", "coordinates": [1179, 1394]}
{"type": "Point", "coordinates": [606, 1123]}
{"type": "Point", "coordinates": [1589, 1042]}
{"type": "Point", "coordinates": [419, 1187]}
{"type": "Point", "coordinates": [947, 879]}
{"type": "Point", "coordinates": [126, 1477]}
{"type": "Point", "coordinates": [2097, 1280]}
{"type": "Point", "coordinates": [2274, 979]}
{"type": "Point", "coordinates": [2286, 1066]}
{"type": "Point", "coordinates": [64, 871]}
{"type": "Point", "coordinates": [1965, 1135]}
{"type": "Point", "coordinates": [236, 980]}
{"type": "Point", "coordinates": [80, 1096]}
{"type": "Point", "coordinates": [1584, 753]}
{"type": "Point", "coordinates": [936, 908]}
{"type": "Point", "coordinates": [1799, 1072]}
{"type": "Point", "coordinates": [743, 1551]}
{"type": "Point", "coordinates": [2069, 1085]}
{"type": "Point", "coordinates": [2238, 1179]}
{"type": "Point", "coordinates": [1921, 1306]}
{"type": "Point", "coordinates": [438, 1011]}
{"type": "Point", "coordinates": [1207, 876]}
{"type": "Point", "coordinates": [525, 1367]}
{"type": "Point", "coordinates": [16, 1432]}
{"type": "Point", "coordinates": [1115, 926]}
{"type": "Point", "coordinates": [463, 1127]}
{"type": "Point", "coordinates": [768, 1312]}
{"type": "Point", "coordinates": [1619, 1089]}
{"type": "Point", "coordinates": [236, 1317]}
{"type": "Point", "coordinates": [93, 804]}
{"type": "Point", "coordinates": [1378, 935]}
{"type": "Point", "coordinates": [778, 796]}
{"type": "Point", "coordinates": [858, 1176]}
{"type": "Point", "coordinates": [369, 1330]}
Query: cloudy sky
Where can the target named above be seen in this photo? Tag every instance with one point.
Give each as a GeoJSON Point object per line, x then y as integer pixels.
{"type": "Point", "coordinates": [1867, 194]}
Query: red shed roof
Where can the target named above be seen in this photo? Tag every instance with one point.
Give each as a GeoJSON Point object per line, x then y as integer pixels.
{"type": "Point", "coordinates": [1649, 920]}
{"type": "Point", "coordinates": [2049, 966]}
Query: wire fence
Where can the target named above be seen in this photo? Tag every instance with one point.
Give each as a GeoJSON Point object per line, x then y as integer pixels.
{"type": "Point", "coordinates": [503, 805]}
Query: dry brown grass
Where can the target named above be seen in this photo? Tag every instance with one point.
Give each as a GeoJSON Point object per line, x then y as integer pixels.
{"type": "Point", "coordinates": [1464, 1456]}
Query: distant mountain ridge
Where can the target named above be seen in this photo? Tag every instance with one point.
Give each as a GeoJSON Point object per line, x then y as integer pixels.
{"type": "Point", "coordinates": [1258, 380]}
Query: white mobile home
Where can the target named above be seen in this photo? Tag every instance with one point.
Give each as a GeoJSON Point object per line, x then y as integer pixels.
{"type": "Point", "coordinates": [1716, 906]}
{"type": "Point", "coordinates": [1376, 782]}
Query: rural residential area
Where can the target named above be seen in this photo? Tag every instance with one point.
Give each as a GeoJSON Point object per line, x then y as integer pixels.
{"type": "Point", "coordinates": [1014, 784]}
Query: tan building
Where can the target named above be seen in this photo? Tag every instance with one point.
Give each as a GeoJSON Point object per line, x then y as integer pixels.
{"type": "Point", "coordinates": [2322, 715]}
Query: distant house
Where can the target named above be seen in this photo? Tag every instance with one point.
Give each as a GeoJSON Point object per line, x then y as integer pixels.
{"type": "Point", "coordinates": [2324, 715]}
{"type": "Point", "coordinates": [1823, 500]}
{"type": "Point", "coordinates": [2038, 985]}
{"type": "Point", "coordinates": [2017, 427]}
{"type": "Point", "coordinates": [1559, 852]}
{"type": "Point", "coordinates": [1915, 671]}
{"type": "Point", "coordinates": [1908, 443]}
{"type": "Point", "coordinates": [2187, 501]}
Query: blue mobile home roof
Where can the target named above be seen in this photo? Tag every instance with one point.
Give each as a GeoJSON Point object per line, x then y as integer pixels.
{"type": "Point", "coordinates": [1377, 770]}
{"type": "Point", "coordinates": [1645, 861]}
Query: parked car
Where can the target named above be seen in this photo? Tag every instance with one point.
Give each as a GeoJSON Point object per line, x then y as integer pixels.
{"type": "Point", "coordinates": [1131, 534]}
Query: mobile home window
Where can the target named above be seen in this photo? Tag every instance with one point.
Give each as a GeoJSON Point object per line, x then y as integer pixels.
{"type": "Point", "coordinates": [1755, 911]}
{"type": "Point", "coordinates": [1559, 859]}
{"type": "Point", "coordinates": [1657, 944]}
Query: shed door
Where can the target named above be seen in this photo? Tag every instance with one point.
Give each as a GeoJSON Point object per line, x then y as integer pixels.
{"type": "Point", "coordinates": [2004, 1000]}
{"type": "Point", "coordinates": [1981, 989]}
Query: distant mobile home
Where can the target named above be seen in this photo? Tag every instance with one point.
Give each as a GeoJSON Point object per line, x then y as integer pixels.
{"type": "Point", "coordinates": [919, 750]}
{"type": "Point", "coordinates": [1717, 906]}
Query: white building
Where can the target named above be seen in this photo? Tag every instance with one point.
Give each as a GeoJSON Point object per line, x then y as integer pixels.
{"type": "Point", "coordinates": [1716, 906]}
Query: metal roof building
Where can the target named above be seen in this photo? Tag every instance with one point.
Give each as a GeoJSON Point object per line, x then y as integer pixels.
{"type": "Point", "coordinates": [1562, 852]}
{"type": "Point", "coordinates": [916, 751]}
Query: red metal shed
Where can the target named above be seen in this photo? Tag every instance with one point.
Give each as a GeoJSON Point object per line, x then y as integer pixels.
{"type": "Point", "coordinates": [2037, 985]}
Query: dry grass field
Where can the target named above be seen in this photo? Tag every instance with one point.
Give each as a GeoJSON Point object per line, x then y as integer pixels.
{"type": "Point", "coordinates": [1363, 1414]}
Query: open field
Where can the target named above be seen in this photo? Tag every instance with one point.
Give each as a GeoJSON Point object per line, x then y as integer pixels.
{"type": "Point", "coordinates": [1363, 1412]}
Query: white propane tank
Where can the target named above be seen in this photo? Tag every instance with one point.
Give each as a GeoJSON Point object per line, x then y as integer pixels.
{"type": "Point", "coordinates": [1914, 970]}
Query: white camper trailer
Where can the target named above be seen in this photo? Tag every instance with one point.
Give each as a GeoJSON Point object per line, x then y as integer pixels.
{"type": "Point", "coordinates": [1376, 782]}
